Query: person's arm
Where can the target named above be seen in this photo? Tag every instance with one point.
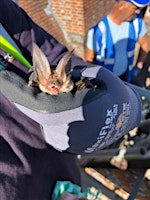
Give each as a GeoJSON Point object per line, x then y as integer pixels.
{"type": "Point", "coordinates": [90, 55]}
{"type": "Point", "coordinates": [90, 46]}
{"type": "Point", "coordinates": [144, 49]}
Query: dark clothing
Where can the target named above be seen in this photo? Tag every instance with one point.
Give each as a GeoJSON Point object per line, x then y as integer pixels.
{"type": "Point", "coordinates": [145, 72]}
{"type": "Point", "coordinates": [29, 167]}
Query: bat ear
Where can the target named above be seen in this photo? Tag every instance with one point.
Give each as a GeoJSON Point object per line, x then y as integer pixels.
{"type": "Point", "coordinates": [64, 66]}
{"type": "Point", "coordinates": [40, 64]}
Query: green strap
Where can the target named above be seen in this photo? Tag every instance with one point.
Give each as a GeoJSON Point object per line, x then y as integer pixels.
{"type": "Point", "coordinates": [7, 47]}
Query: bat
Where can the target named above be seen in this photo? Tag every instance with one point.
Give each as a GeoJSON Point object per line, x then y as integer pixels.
{"type": "Point", "coordinates": [58, 80]}
{"type": "Point", "coordinates": [52, 81]}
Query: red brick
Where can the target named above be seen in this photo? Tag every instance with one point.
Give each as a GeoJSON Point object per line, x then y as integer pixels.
{"type": "Point", "coordinates": [75, 17]}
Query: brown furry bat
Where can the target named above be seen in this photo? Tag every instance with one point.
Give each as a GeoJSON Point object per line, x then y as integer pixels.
{"type": "Point", "coordinates": [52, 81]}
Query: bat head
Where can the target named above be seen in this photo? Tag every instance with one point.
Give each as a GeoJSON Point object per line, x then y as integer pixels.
{"type": "Point", "coordinates": [52, 81]}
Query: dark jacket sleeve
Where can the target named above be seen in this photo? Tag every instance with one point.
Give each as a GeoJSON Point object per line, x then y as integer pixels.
{"type": "Point", "coordinates": [29, 168]}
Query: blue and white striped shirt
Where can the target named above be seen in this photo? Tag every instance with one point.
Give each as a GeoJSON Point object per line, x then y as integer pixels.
{"type": "Point", "coordinates": [115, 44]}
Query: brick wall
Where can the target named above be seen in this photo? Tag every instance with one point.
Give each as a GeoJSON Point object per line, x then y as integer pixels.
{"type": "Point", "coordinates": [67, 20]}
{"type": "Point", "coordinates": [70, 16]}
{"type": "Point", "coordinates": [36, 10]}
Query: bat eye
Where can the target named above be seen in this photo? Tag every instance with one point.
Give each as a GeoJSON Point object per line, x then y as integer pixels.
{"type": "Point", "coordinates": [59, 82]}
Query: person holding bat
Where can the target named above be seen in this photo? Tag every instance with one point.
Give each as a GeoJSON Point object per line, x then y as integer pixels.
{"type": "Point", "coordinates": [40, 133]}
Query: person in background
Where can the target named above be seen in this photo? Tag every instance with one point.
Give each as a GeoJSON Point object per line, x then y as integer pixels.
{"type": "Point", "coordinates": [111, 42]}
